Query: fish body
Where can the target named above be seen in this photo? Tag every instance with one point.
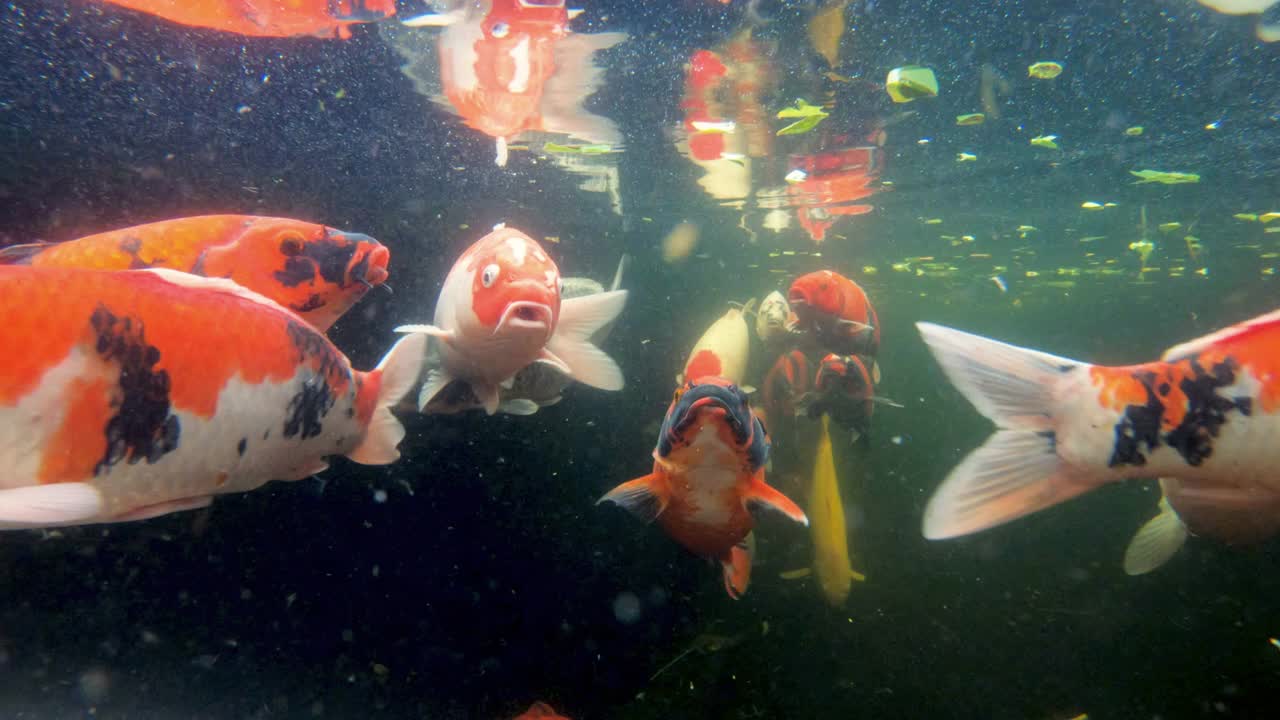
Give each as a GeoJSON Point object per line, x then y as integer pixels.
{"type": "Point", "coordinates": [789, 379]}
{"type": "Point", "coordinates": [500, 310]}
{"type": "Point", "coordinates": [140, 393]}
{"type": "Point", "coordinates": [827, 528]}
{"type": "Point", "coordinates": [316, 271]}
{"type": "Point", "coordinates": [723, 350]}
{"type": "Point", "coordinates": [274, 18]}
{"type": "Point", "coordinates": [1207, 416]}
{"type": "Point", "coordinates": [844, 389]}
{"type": "Point", "coordinates": [537, 385]}
{"type": "Point", "coordinates": [835, 312]}
{"type": "Point", "coordinates": [708, 470]}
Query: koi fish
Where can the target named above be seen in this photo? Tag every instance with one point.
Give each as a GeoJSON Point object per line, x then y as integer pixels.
{"type": "Point", "coordinates": [1200, 416]}
{"type": "Point", "coordinates": [708, 471]}
{"type": "Point", "coordinates": [141, 393]}
{"type": "Point", "coordinates": [790, 379]}
{"type": "Point", "coordinates": [274, 18]}
{"type": "Point", "coordinates": [845, 389]}
{"type": "Point", "coordinates": [835, 312]}
{"type": "Point", "coordinates": [511, 67]}
{"type": "Point", "coordinates": [538, 384]}
{"type": "Point", "coordinates": [540, 711]}
{"type": "Point", "coordinates": [723, 350]}
{"type": "Point", "coordinates": [500, 310]}
{"type": "Point", "coordinates": [827, 527]}
{"type": "Point", "coordinates": [316, 271]}
{"type": "Point", "coordinates": [771, 318]}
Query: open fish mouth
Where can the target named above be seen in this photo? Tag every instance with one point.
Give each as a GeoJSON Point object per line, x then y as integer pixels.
{"type": "Point", "coordinates": [526, 315]}
{"type": "Point", "coordinates": [726, 401]}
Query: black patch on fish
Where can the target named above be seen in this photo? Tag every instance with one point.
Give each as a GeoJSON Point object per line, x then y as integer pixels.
{"type": "Point", "coordinates": [1052, 437]}
{"type": "Point", "coordinates": [307, 409]}
{"type": "Point", "coordinates": [1066, 368]}
{"type": "Point", "coordinates": [242, 445]}
{"type": "Point", "coordinates": [1140, 425]}
{"type": "Point", "coordinates": [297, 270]}
{"type": "Point", "coordinates": [313, 401]}
{"type": "Point", "coordinates": [143, 428]}
{"type": "Point", "coordinates": [326, 256]}
{"type": "Point", "coordinates": [1206, 413]}
{"type": "Point", "coordinates": [313, 302]}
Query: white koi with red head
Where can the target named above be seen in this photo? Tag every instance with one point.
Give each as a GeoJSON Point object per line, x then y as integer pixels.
{"type": "Point", "coordinates": [500, 310]}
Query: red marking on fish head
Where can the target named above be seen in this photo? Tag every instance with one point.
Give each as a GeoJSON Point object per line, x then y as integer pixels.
{"type": "Point", "coordinates": [515, 285]}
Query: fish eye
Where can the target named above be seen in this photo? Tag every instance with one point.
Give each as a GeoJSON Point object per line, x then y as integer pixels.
{"type": "Point", "coordinates": [291, 245]}
{"type": "Point", "coordinates": [500, 30]}
{"type": "Point", "coordinates": [490, 274]}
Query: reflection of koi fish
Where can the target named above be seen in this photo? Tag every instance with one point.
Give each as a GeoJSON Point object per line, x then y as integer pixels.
{"type": "Point", "coordinates": [316, 271]}
{"type": "Point", "coordinates": [275, 18]}
{"type": "Point", "coordinates": [708, 469]}
{"type": "Point", "coordinates": [513, 66]}
{"type": "Point", "coordinates": [143, 392]}
{"type": "Point", "coordinates": [1206, 416]}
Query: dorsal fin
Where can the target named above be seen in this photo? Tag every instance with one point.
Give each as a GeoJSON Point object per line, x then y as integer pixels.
{"type": "Point", "coordinates": [1193, 347]}
{"type": "Point", "coordinates": [22, 254]}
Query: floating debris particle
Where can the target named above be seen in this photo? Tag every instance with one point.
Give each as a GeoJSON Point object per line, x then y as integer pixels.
{"type": "Point", "coordinates": [1044, 70]}
{"type": "Point", "coordinates": [1045, 141]}
{"type": "Point", "coordinates": [971, 119]}
{"type": "Point", "coordinates": [911, 82]}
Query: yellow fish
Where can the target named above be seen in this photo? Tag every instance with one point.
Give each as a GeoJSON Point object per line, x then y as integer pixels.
{"type": "Point", "coordinates": [827, 527]}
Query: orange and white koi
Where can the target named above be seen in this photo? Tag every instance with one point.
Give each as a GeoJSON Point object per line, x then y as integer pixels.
{"type": "Point", "coordinates": [500, 310]}
{"type": "Point", "coordinates": [316, 271]}
{"type": "Point", "coordinates": [834, 312]}
{"type": "Point", "coordinates": [723, 349]}
{"type": "Point", "coordinates": [140, 393]}
{"type": "Point", "coordinates": [319, 18]}
{"type": "Point", "coordinates": [708, 471]}
{"type": "Point", "coordinates": [1207, 415]}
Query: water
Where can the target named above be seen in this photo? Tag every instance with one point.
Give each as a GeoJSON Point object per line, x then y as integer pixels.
{"type": "Point", "coordinates": [476, 576]}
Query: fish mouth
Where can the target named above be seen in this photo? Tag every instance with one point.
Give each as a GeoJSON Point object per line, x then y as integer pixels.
{"type": "Point", "coordinates": [795, 297]}
{"type": "Point", "coordinates": [525, 315]}
{"type": "Point", "coordinates": [717, 402]}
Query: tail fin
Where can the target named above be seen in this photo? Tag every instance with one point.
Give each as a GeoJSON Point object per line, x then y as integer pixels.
{"type": "Point", "coordinates": [1156, 541]}
{"type": "Point", "coordinates": [397, 374]}
{"type": "Point", "coordinates": [1017, 471]}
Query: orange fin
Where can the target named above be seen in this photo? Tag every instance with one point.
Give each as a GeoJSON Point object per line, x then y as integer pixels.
{"type": "Point", "coordinates": [737, 569]}
{"type": "Point", "coordinates": [646, 497]}
{"type": "Point", "coordinates": [763, 494]}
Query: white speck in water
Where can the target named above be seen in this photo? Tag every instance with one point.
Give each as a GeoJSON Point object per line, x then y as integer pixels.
{"type": "Point", "coordinates": [379, 496]}
{"type": "Point", "coordinates": [627, 608]}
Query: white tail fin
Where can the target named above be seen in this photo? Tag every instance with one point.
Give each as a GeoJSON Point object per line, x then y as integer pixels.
{"type": "Point", "coordinates": [580, 318]}
{"type": "Point", "coordinates": [398, 373]}
{"type": "Point", "coordinates": [1017, 471]}
{"type": "Point", "coordinates": [1156, 541]}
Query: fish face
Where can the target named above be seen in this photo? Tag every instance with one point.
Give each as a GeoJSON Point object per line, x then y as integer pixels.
{"type": "Point", "coordinates": [812, 294]}
{"type": "Point", "coordinates": [515, 286]}
{"type": "Point", "coordinates": [316, 271]}
{"type": "Point", "coordinates": [715, 401]}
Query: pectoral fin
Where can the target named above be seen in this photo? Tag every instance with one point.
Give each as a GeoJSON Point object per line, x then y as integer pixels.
{"type": "Point", "coordinates": [646, 497]}
{"type": "Point", "coordinates": [53, 505]}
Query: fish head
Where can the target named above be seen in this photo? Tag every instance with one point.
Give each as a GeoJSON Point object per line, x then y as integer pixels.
{"type": "Point", "coordinates": [772, 315]}
{"type": "Point", "coordinates": [513, 287]}
{"type": "Point", "coordinates": [316, 271]}
{"type": "Point", "coordinates": [813, 295]}
{"type": "Point", "coordinates": [713, 401]}
{"type": "Point", "coordinates": [847, 375]}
